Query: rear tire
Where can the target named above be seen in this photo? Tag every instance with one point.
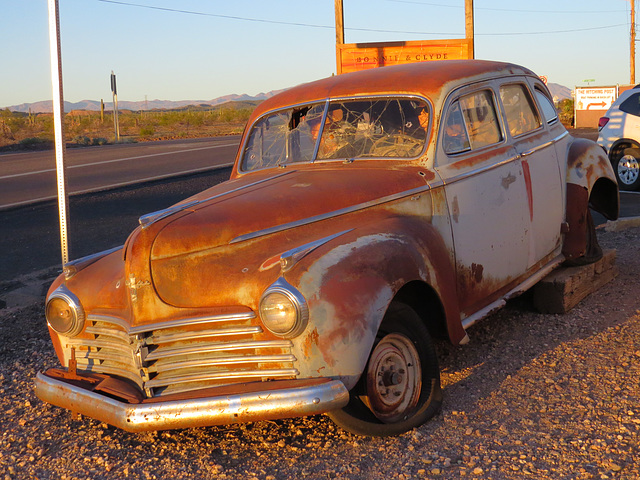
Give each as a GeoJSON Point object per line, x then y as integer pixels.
{"type": "Point", "coordinates": [627, 169]}
{"type": "Point", "coordinates": [400, 387]}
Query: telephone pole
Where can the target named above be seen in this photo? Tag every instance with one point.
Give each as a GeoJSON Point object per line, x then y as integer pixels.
{"type": "Point", "coordinates": [469, 27]}
{"type": "Point", "coordinates": [339, 33]}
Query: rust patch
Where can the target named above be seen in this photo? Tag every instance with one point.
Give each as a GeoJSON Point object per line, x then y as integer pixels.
{"type": "Point", "coordinates": [476, 272]}
{"type": "Point", "coordinates": [310, 341]}
{"type": "Point", "coordinates": [508, 180]}
{"type": "Point", "coordinates": [456, 209]}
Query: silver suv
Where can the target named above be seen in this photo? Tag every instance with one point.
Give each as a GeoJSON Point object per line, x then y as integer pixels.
{"type": "Point", "coordinates": [619, 135]}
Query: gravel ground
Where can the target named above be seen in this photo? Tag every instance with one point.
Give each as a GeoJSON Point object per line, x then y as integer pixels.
{"type": "Point", "coordinates": [532, 395]}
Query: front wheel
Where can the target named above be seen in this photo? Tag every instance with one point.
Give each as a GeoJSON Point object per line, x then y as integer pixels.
{"type": "Point", "coordinates": [627, 169]}
{"type": "Point", "coordinates": [400, 388]}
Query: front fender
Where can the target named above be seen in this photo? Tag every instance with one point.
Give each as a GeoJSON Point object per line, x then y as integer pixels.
{"type": "Point", "coordinates": [349, 285]}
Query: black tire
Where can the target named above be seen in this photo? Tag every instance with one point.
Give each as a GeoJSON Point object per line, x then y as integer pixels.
{"type": "Point", "coordinates": [593, 252]}
{"type": "Point", "coordinates": [627, 169]}
{"type": "Point", "coordinates": [400, 387]}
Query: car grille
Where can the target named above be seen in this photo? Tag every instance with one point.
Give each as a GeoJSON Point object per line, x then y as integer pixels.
{"type": "Point", "coordinates": [184, 355]}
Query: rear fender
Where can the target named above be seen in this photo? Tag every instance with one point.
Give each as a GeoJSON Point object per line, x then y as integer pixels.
{"type": "Point", "coordinates": [591, 182]}
{"type": "Point", "coordinates": [350, 283]}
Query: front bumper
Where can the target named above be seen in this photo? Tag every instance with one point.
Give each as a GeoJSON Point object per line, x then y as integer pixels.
{"type": "Point", "coordinates": [280, 399]}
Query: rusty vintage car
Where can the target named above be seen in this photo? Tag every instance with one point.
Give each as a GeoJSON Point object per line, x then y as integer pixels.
{"type": "Point", "coordinates": [366, 214]}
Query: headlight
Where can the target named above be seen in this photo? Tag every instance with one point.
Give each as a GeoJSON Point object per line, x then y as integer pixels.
{"type": "Point", "coordinates": [283, 309]}
{"type": "Point", "coordinates": [64, 312]}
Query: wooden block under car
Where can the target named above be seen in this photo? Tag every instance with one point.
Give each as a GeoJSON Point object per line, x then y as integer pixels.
{"type": "Point", "coordinates": [564, 288]}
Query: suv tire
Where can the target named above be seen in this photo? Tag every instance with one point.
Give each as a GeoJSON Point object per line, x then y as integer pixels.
{"type": "Point", "coordinates": [627, 168]}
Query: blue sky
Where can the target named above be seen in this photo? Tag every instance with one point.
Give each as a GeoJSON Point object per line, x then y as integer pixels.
{"type": "Point", "coordinates": [252, 46]}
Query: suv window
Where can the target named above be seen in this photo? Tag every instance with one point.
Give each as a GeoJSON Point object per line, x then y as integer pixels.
{"type": "Point", "coordinates": [355, 128]}
{"type": "Point", "coordinates": [548, 109]}
{"type": "Point", "coordinates": [471, 123]}
{"type": "Point", "coordinates": [518, 106]}
{"type": "Point", "coordinates": [631, 105]}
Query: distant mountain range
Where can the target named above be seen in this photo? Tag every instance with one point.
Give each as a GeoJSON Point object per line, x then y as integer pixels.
{"type": "Point", "coordinates": [559, 92]}
{"type": "Point", "coordinates": [46, 106]}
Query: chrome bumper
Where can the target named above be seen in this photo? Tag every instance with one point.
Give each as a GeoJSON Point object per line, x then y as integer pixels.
{"type": "Point", "coordinates": [194, 412]}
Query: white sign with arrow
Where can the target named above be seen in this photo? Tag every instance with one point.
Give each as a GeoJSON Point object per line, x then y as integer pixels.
{"type": "Point", "coordinates": [595, 98]}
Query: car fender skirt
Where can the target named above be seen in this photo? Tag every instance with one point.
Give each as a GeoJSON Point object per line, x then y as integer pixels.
{"type": "Point", "coordinates": [278, 399]}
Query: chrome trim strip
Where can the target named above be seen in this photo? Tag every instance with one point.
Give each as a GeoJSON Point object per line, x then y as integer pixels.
{"type": "Point", "coordinates": [538, 148]}
{"type": "Point", "coordinates": [477, 171]}
{"type": "Point", "coordinates": [168, 380]}
{"type": "Point", "coordinates": [172, 324]}
{"type": "Point", "coordinates": [325, 216]}
{"type": "Point", "coordinates": [492, 166]}
{"type": "Point", "coordinates": [198, 412]}
{"type": "Point", "coordinates": [289, 258]}
{"type": "Point", "coordinates": [150, 218]}
{"type": "Point", "coordinates": [69, 269]}
{"type": "Point", "coordinates": [231, 360]}
{"type": "Point", "coordinates": [218, 347]}
{"type": "Point", "coordinates": [156, 339]}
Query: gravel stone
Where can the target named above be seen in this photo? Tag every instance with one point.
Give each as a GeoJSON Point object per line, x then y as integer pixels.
{"type": "Point", "coordinates": [532, 395]}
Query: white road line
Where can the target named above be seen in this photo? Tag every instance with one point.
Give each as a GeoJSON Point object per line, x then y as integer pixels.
{"type": "Point", "coordinates": [118, 160]}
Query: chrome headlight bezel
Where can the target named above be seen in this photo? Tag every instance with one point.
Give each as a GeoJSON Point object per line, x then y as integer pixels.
{"type": "Point", "coordinates": [296, 300]}
{"type": "Point", "coordinates": [75, 307]}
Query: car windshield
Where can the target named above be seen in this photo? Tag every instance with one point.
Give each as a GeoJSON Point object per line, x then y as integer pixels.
{"type": "Point", "coordinates": [362, 128]}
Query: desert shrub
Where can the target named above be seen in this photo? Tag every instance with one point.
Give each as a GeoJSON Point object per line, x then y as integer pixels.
{"type": "Point", "coordinates": [81, 140]}
{"type": "Point", "coordinates": [147, 130]}
{"type": "Point", "coordinates": [565, 110]}
{"type": "Point", "coordinates": [99, 141]}
{"type": "Point", "coordinates": [33, 143]}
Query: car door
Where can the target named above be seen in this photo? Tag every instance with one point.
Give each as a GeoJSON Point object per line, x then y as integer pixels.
{"type": "Point", "coordinates": [543, 182]}
{"type": "Point", "coordinates": [486, 197]}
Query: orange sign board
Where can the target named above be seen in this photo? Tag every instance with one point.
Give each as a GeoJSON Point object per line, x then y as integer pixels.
{"type": "Point", "coordinates": [360, 56]}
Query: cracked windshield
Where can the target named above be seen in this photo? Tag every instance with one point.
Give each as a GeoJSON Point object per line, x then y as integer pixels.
{"type": "Point", "coordinates": [371, 128]}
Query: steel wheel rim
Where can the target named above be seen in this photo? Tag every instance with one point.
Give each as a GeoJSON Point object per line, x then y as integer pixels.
{"type": "Point", "coordinates": [394, 378]}
{"type": "Point", "coordinates": [628, 169]}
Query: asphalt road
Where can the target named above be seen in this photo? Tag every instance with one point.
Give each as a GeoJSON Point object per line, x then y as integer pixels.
{"type": "Point", "coordinates": [30, 239]}
{"type": "Point", "coordinates": [29, 177]}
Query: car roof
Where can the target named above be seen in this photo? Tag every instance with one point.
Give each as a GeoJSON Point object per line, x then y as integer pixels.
{"type": "Point", "coordinates": [431, 79]}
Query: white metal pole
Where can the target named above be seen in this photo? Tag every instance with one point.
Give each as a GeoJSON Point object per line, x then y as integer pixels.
{"type": "Point", "coordinates": [58, 123]}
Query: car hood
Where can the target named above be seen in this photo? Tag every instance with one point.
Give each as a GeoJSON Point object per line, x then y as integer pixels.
{"type": "Point", "coordinates": [258, 205]}
{"type": "Point", "coordinates": [224, 248]}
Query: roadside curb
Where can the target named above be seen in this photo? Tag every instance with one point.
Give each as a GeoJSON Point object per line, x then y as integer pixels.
{"type": "Point", "coordinates": [621, 224]}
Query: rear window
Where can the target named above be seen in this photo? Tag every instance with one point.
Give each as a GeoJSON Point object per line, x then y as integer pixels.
{"type": "Point", "coordinates": [548, 109]}
{"type": "Point", "coordinates": [353, 128]}
{"type": "Point", "coordinates": [631, 105]}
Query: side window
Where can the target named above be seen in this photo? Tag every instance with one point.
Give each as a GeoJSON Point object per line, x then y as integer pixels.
{"type": "Point", "coordinates": [518, 106]}
{"type": "Point", "coordinates": [471, 123]}
{"type": "Point", "coordinates": [548, 110]}
{"type": "Point", "coordinates": [455, 136]}
{"type": "Point", "coordinates": [631, 105]}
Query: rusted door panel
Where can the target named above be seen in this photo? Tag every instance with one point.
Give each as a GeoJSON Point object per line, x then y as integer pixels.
{"type": "Point", "coordinates": [487, 201]}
